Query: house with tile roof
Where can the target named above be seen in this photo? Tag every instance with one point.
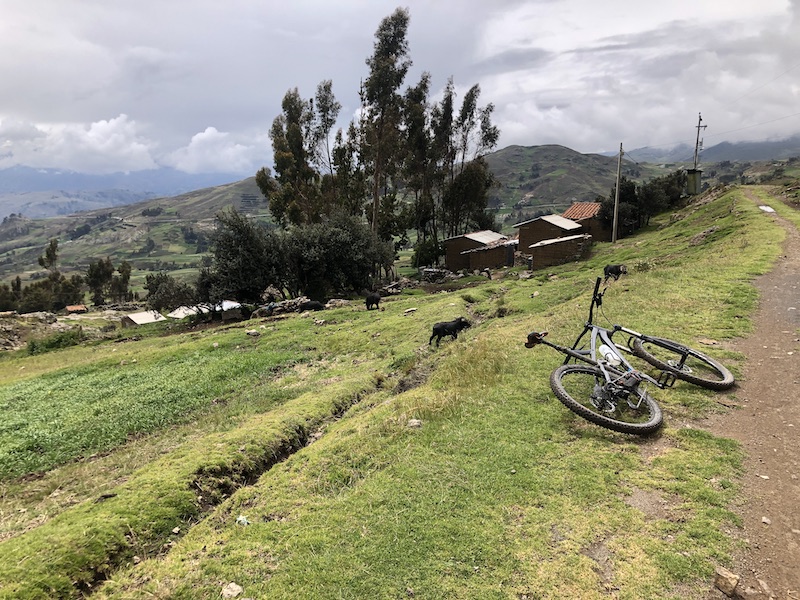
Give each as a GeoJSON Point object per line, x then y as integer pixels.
{"type": "Point", "coordinates": [588, 215]}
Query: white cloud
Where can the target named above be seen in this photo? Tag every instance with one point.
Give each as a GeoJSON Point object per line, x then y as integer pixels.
{"type": "Point", "coordinates": [580, 73]}
{"type": "Point", "coordinates": [212, 151]}
{"type": "Point", "coordinates": [101, 147]}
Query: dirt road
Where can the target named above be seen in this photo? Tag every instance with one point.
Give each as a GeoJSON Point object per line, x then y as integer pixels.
{"type": "Point", "coordinates": [768, 426]}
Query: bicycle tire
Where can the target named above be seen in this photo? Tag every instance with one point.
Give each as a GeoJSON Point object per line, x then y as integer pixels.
{"type": "Point", "coordinates": [574, 386]}
{"type": "Point", "coordinates": [698, 368]}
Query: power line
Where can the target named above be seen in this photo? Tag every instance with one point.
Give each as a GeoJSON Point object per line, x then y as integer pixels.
{"type": "Point", "coordinates": [766, 83]}
{"type": "Point", "coordinates": [673, 144]}
{"type": "Point", "coordinates": [755, 125]}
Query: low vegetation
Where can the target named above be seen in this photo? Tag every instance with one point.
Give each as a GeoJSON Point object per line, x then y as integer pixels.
{"type": "Point", "coordinates": [338, 455]}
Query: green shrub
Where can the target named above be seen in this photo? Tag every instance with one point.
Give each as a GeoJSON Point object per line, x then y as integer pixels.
{"type": "Point", "coordinates": [63, 339]}
{"type": "Point", "coordinates": [642, 265]}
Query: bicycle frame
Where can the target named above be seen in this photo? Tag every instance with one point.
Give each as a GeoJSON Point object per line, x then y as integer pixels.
{"type": "Point", "coordinates": [605, 337]}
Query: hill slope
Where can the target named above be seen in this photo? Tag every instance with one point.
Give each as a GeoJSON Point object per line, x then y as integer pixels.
{"type": "Point", "coordinates": [342, 456]}
{"type": "Point", "coordinates": [122, 232]}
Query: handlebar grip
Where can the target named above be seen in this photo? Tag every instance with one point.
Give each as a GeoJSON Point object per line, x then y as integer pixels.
{"type": "Point", "coordinates": [535, 338]}
{"type": "Point", "coordinates": [597, 285]}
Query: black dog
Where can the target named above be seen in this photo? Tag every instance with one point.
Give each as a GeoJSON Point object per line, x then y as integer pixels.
{"type": "Point", "coordinates": [448, 328]}
{"type": "Point", "coordinates": [614, 271]}
{"type": "Point", "coordinates": [373, 299]}
{"type": "Point", "coordinates": [310, 305]}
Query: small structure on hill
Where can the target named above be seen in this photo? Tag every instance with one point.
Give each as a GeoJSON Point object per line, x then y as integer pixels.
{"type": "Point", "coordinates": [545, 228]}
{"type": "Point", "coordinates": [228, 310]}
{"type": "Point", "coordinates": [456, 259]}
{"type": "Point", "coordinates": [557, 251]}
{"type": "Point", "coordinates": [75, 309]}
{"type": "Point", "coordinates": [142, 318]}
{"type": "Point", "coordinates": [187, 311]}
{"type": "Point", "coordinates": [492, 256]}
{"type": "Point", "coordinates": [587, 214]}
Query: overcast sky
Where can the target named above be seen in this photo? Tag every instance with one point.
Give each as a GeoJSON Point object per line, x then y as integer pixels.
{"type": "Point", "coordinates": [101, 86]}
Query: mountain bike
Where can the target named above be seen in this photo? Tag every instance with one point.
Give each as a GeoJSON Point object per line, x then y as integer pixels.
{"type": "Point", "coordinates": [607, 390]}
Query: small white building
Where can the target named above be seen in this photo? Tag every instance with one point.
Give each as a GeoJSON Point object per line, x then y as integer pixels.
{"type": "Point", "coordinates": [142, 318]}
{"type": "Point", "coordinates": [187, 311]}
{"type": "Point", "coordinates": [229, 309]}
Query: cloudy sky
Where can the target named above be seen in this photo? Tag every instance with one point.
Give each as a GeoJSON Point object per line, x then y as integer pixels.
{"type": "Point", "coordinates": [103, 86]}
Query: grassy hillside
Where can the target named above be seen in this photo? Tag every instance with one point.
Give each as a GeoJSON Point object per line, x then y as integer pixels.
{"type": "Point", "coordinates": [123, 233]}
{"type": "Point", "coordinates": [553, 177]}
{"type": "Point", "coordinates": [337, 455]}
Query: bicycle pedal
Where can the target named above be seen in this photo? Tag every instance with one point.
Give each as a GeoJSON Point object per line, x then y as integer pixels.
{"type": "Point", "coordinates": [666, 379]}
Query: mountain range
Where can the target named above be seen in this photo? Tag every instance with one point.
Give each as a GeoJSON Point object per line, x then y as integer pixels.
{"type": "Point", "coordinates": [38, 193]}
{"type": "Point", "coordinates": [41, 193]}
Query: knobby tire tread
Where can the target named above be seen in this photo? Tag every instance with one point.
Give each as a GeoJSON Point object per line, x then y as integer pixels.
{"type": "Point", "coordinates": [724, 382]}
{"type": "Point", "coordinates": [561, 393]}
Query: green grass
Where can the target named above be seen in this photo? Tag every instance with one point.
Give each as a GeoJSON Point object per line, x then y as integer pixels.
{"type": "Point", "coordinates": [500, 492]}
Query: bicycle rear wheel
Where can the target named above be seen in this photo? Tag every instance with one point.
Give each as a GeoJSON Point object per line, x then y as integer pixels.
{"type": "Point", "coordinates": [685, 363]}
{"type": "Point", "coordinates": [583, 390]}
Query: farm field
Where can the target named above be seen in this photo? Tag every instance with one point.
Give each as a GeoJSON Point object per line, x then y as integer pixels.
{"type": "Point", "coordinates": [338, 455]}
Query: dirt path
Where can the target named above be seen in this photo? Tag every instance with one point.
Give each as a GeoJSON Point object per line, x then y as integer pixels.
{"type": "Point", "coordinates": [768, 426]}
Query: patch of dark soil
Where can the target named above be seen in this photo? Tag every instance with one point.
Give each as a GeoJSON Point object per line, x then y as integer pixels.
{"type": "Point", "coordinates": [415, 378]}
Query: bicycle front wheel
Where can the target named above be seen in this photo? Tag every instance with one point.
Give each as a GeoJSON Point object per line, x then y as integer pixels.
{"type": "Point", "coordinates": [685, 363]}
{"type": "Point", "coordinates": [584, 390]}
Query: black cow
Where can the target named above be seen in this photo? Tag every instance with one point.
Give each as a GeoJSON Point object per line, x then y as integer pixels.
{"type": "Point", "coordinates": [448, 328]}
{"type": "Point", "coordinates": [373, 299]}
{"type": "Point", "coordinates": [614, 271]}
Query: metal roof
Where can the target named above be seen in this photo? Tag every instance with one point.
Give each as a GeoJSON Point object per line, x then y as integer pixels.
{"type": "Point", "coordinates": [185, 311]}
{"type": "Point", "coordinates": [487, 236]}
{"type": "Point", "coordinates": [496, 244]}
{"type": "Point", "coordinates": [148, 316]}
{"type": "Point", "coordinates": [556, 220]}
{"type": "Point", "coordinates": [559, 240]}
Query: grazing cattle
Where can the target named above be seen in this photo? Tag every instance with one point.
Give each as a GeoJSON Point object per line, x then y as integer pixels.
{"type": "Point", "coordinates": [310, 305]}
{"type": "Point", "coordinates": [448, 328]}
{"type": "Point", "coordinates": [373, 299]}
{"type": "Point", "coordinates": [614, 271]}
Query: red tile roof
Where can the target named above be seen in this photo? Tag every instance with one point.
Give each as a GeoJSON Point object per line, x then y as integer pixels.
{"type": "Point", "coordinates": [582, 210]}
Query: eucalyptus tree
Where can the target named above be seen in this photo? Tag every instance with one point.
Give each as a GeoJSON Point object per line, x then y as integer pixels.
{"type": "Point", "coordinates": [294, 196]}
{"type": "Point", "coordinates": [418, 171]}
{"type": "Point", "coordinates": [324, 116]}
{"type": "Point", "coordinates": [350, 180]}
{"type": "Point", "coordinates": [382, 108]}
{"type": "Point", "coordinates": [303, 190]}
{"type": "Point", "coordinates": [461, 179]}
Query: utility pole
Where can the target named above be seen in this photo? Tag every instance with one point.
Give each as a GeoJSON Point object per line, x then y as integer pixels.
{"type": "Point", "coordinates": [693, 175]}
{"type": "Point", "coordinates": [698, 143]}
{"type": "Point", "coordinates": [616, 196]}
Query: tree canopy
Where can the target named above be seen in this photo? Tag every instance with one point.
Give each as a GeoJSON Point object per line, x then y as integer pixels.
{"type": "Point", "coordinates": [403, 163]}
{"type": "Point", "coordinates": [639, 202]}
{"type": "Point", "coordinates": [317, 260]}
